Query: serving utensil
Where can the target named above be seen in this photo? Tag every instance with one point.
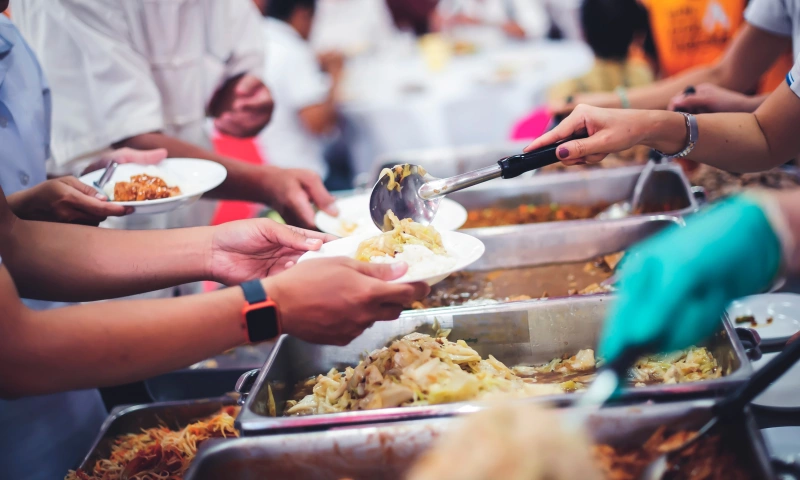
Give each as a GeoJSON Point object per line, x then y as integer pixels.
{"type": "Point", "coordinates": [731, 405]}
{"type": "Point", "coordinates": [104, 179]}
{"type": "Point", "coordinates": [416, 194]}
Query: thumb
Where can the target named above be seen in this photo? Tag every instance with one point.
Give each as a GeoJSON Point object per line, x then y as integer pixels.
{"type": "Point", "coordinates": [293, 238]}
{"type": "Point", "coordinates": [382, 271]}
{"type": "Point", "coordinates": [83, 188]}
{"type": "Point", "coordinates": [577, 151]}
{"type": "Point", "coordinates": [247, 85]}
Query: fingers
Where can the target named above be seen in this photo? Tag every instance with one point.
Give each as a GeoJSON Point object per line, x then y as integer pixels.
{"type": "Point", "coordinates": [381, 271]}
{"type": "Point", "coordinates": [144, 157]}
{"type": "Point", "coordinates": [294, 238]}
{"type": "Point", "coordinates": [300, 207]}
{"type": "Point", "coordinates": [573, 123]}
{"type": "Point", "coordinates": [227, 124]}
{"type": "Point", "coordinates": [583, 150]}
{"type": "Point", "coordinates": [99, 208]}
{"type": "Point", "coordinates": [258, 100]}
{"type": "Point", "coordinates": [324, 237]}
{"type": "Point", "coordinates": [247, 85]}
{"type": "Point", "coordinates": [688, 102]}
{"type": "Point", "coordinates": [82, 187]}
{"type": "Point", "coordinates": [320, 195]}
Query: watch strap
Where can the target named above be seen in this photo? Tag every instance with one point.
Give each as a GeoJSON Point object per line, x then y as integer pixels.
{"type": "Point", "coordinates": [254, 292]}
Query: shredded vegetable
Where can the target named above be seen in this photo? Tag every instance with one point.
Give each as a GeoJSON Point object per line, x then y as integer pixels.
{"type": "Point", "coordinates": [404, 232]}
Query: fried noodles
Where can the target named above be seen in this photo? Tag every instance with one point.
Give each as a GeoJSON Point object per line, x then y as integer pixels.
{"type": "Point", "coordinates": [404, 232]}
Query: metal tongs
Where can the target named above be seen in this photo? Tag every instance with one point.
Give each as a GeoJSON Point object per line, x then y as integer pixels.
{"type": "Point", "coordinates": [415, 194]}
{"type": "Point", "coordinates": [105, 178]}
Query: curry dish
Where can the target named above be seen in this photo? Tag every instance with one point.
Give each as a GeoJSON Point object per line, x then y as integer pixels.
{"type": "Point", "coordinates": [523, 214]}
{"type": "Point", "coordinates": [143, 187]}
{"type": "Point", "coordinates": [421, 369]}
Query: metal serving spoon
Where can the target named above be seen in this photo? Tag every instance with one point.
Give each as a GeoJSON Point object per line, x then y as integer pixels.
{"type": "Point", "coordinates": [731, 405]}
{"type": "Point", "coordinates": [415, 194]}
{"type": "Point", "coordinates": [103, 180]}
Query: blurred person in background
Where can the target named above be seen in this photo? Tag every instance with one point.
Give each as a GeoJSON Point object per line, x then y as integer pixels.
{"type": "Point", "coordinates": [701, 43]}
{"type": "Point", "coordinates": [413, 15]}
{"type": "Point", "coordinates": [305, 115]}
{"type": "Point", "coordinates": [147, 74]}
{"type": "Point", "coordinates": [516, 18]}
{"type": "Point", "coordinates": [352, 27]}
{"type": "Point", "coordinates": [615, 30]}
{"type": "Point", "coordinates": [675, 286]}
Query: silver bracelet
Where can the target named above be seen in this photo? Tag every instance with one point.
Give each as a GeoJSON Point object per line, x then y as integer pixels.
{"type": "Point", "coordinates": [691, 129]}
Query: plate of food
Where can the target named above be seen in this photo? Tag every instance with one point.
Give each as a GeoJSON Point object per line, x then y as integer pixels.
{"type": "Point", "coordinates": [172, 184]}
{"type": "Point", "coordinates": [775, 316]}
{"type": "Point", "coordinates": [354, 218]}
{"type": "Point", "coordinates": [431, 255]}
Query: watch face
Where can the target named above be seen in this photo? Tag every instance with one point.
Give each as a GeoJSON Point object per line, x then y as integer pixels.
{"type": "Point", "coordinates": [262, 324]}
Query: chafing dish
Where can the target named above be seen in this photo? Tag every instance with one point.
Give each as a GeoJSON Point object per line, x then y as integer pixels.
{"type": "Point", "coordinates": [387, 451]}
{"type": "Point", "coordinates": [528, 332]}
{"type": "Point", "coordinates": [132, 419]}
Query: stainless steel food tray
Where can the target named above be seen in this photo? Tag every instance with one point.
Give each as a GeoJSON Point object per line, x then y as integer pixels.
{"type": "Point", "coordinates": [587, 188]}
{"type": "Point", "coordinates": [387, 451]}
{"type": "Point", "coordinates": [529, 332]}
{"type": "Point", "coordinates": [131, 419]}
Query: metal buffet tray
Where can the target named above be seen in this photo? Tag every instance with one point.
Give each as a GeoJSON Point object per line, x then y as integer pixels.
{"type": "Point", "coordinates": [387, 451]}
{"type": "Point", "coordinates": [131, 419]}
{"type": "Point", "coordinates": [590, 188]}
{"type": "Point", "coordinates": [557, 243]}
{"type": "Point", "coordinates": [529, 332]}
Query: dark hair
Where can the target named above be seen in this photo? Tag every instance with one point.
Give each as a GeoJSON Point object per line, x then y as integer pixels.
{"type": "Point", "coordinates": [283, 9]}
{"type": "Point", "coordinates": [610, 25]}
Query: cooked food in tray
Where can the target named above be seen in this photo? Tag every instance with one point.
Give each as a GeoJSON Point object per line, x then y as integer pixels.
{"type": "Point", "coordinates": [719, 183]}
{"type": "Point", "coordinates": [160, 452]}
{"type": "Point", "coordinates": [523, 283]}
{"type": "Point", "coordinates": [525, 441]}
{"type": "Point", "coordinates": [523, 214]}
{"type": "Point", "coordinates": [144, 187]}
{"type": "Point", "coordinates": [420, 369]}
{"type": "Point", "coordinates": [418, 245]}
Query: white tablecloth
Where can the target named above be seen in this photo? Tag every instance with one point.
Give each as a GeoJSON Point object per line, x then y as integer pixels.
{"type": "Point", "coordinates": [395, 103]}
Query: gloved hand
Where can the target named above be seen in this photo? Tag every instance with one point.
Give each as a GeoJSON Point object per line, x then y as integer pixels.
{"type": "Point", "coordinates": [675, 286]}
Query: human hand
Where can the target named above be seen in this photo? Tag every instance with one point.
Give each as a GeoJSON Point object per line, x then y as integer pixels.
{"type": "Point", "coordinates": [709, 98]}
{"type": "Point", "coordinates": [332, 62]}
{"type": "Point", "coordinates": [609, 131]}
{"type": "Point", "coordinates": [512, 29]}
{"type": "Point", "coordinates": [65, 200]}
{"type": "Point", "coordinates": [249, 249]}
{"type": "Point", "coordinates": [675, 286]}
{"type": "Point", "coordinates": [333, 300]}
{"type": "Point", "coordinates": [595, 99]}
{"type": "Point", "coordinates": [128, 155]}
{"type": "Point", "coordinates": [242, 107]}
{"type": "Point", "coordinates": [291, 191]}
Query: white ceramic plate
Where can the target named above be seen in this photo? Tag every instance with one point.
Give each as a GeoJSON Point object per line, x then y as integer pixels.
{"type": "Point", "coordinates": [194, 177]}
{"type": "Point", "coordinates": [465, 248]}
{"type": "Point", "coordinates": [783, 308]}
{"type": "Point", "coordinates": [783, 393]}
{"type": "Point", "coordinates": [354, 213]}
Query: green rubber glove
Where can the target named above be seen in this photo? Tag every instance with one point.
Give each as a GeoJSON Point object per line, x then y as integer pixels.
{"type": "Point", "coordinates": [675, 286]}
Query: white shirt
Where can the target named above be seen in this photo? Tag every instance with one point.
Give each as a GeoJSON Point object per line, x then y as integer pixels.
{"type": "Point", "coordinates": [530, 15]}
{"type": "Point", "coordinates": [296, 82]}
{"type": "Point", "coordinates": [352, 26]}
{"type": "Point", "coordinates": [781, 17]}
{"type": "Point", "coordinates": [120, 68]}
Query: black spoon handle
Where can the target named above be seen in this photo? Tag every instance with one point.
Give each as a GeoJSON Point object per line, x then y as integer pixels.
{"type": "Point", "coordinates": [760, 380]}
{"type": "Point", "coordinates": [516, 165]}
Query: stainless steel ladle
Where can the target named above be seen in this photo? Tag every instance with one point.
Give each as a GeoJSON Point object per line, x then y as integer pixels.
{"type": "Point", "coordinates": [410, 192]}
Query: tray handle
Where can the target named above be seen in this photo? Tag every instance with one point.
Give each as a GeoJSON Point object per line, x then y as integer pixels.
{"type": "Point", "coordinates": [751, 341]}
{"type": "Point", "coordinates": [245, 384]}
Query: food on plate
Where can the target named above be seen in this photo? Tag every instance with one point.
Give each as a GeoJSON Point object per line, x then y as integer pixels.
{"type": "Point", "coordinates": [719, 183]}
{"type": "Point", "coordinates": [751, 320]}
{"type": "Point", "coordinates": [398, 173]}
{"type": "Point", "coordinates": [509, 442]}
{"type": "Point", "coordinates": [144, 187]}
{"type": "Point", "coordinates": [420, 246]}
{"type": "Point", "coordinates": [420, 369]}
{"type": "Point", "coordinates": [523, 214]}
{"type": "Point", "coordinates": [522, 283]}
{"type": "Point", "coordinates": [708, 459]}
{"type": "Point", "coordinates": [159, 452]}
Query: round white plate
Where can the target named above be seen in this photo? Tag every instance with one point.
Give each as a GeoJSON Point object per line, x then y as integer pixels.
{"type": "Point", "coordinates": [194, 177]}
{"type": "Point", "coordinates": [783, 393]}
{"type": "Point", "coordinates": [354, 213]}
{"type": "Point", "coordinates": [783, 308]}
{"type": "Point", "coordinates": [465, 248]}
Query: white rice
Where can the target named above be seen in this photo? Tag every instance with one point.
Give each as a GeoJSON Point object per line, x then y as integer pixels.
{"type": "Point", "coordinates": [422, 262]}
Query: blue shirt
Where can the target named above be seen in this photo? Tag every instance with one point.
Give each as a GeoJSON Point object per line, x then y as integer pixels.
{"type": "Point", "coordinates": [40, 437]}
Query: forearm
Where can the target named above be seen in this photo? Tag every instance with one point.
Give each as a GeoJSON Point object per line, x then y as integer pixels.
{"type": "Point", "coordinates": [74, 263]}
{"type": "Point", "coordinates": [242, 182]}
{"type": "Point", "coordinates": [110, 343]}
{"type": "Point", "coordinates": [657, 95]}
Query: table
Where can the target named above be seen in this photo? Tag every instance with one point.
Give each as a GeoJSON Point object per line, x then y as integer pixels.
{"type": "Point", "coordinates": [394, 102]}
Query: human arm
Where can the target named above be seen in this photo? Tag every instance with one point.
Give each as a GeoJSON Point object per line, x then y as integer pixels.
{"type": "Point", "coordinates": [737, 142]}
{"type": "Point", "coordinates": [108, 343]}
{"type": "Point", "coordinates": [321, 118]}
{"type": "Point", "coordinates": [749, 55]}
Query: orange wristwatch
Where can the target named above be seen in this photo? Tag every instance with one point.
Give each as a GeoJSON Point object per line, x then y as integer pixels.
{"type": "Point", "coordinates": [261, 315]}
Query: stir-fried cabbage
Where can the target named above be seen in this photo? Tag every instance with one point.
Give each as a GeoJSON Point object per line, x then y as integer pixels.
{"type": "Point", "coordinates": [404, 232]}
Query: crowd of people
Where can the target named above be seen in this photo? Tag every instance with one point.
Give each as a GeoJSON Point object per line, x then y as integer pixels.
{"type": "Point", "coordinates": [136, 81]}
